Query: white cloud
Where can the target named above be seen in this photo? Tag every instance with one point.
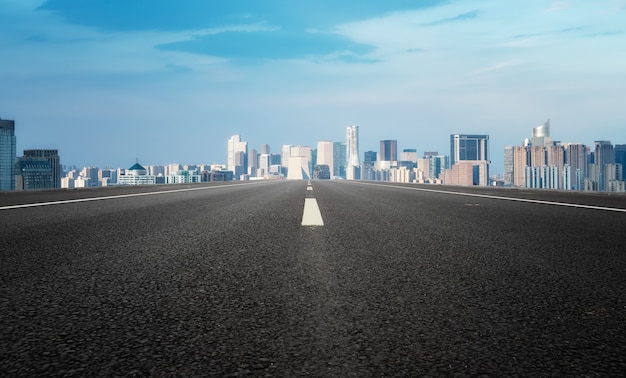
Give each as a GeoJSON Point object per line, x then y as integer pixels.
{"type": "Point", "coordinates": [558, 6]}
{"type": "Point", "coordinates": [495, 67]}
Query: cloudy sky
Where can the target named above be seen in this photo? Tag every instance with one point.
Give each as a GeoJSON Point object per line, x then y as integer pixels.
{"type": "Point", "coordinates": [108, 81]}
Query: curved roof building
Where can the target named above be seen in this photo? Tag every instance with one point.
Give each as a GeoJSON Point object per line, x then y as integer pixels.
{"type": "Point", "coordinates": [541, 134]}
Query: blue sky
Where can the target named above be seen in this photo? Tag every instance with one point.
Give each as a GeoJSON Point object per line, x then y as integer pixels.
{"type": "Point", "coordinates": [106, 82]}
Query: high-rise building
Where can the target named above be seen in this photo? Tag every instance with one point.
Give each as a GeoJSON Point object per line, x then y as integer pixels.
{"type": "Point", "coordinates": [468, 147]}
{"type": "Point", "coordinates": [604, 153]}
{"type": "Point", "coordinates": [325, 154]}
{"type": "Point", "coordinates": [537, 156]}
{"type": "Point", "coordinates": [409, 154]}
{"type": "Point", "coordinates": [299, 163]}
{"type": "Point", "coordinates": [369, 157]}
{"type": "Point", "coordinates": [52, 156]}
{"type": "Point", "coordinates": [541, 135]}
{"type": "Point", "coordinates": [556, 161]}
{"type": "Point", "coordinates": [521, 159]}
{"type": "Point", "coordinates": [367, 168]}
{"type": "Point", "coordinates": [556, 155]}
{"type": "Point", "coordinates": [33, 173]}
{"type": "Point", "coordinates": [265, 149]}
{"type": "Point", "coordinates": [576, 158]}
{"type": "Point", "coordinates": [253, 162]}
{"type": "Point", "coordinates": [264, 164]}
{"type": "Point", "coordinates": [508, 165]}
{"type": "Point", "coordinates": [438, 164]}
{"type": "Point", "coordinates": [339, 160]}
{"type": "Point", "coordinates": [285, 154]}
{"type": "Point", "coordinates": [7, 154]}
{"type": "Point", "coordinates": [237, 156]}
{"type": "Point", "coordinates": [620, 157]}
{"type": "Point", "coordinates": [388, 150]}
{"type": "Point", "coordinates": [353, 166]}
{"type": "Point", "coordinates": [473, 148]}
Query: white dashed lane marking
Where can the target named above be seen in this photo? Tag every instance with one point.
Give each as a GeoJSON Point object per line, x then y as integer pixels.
{"type": "Point", "coordinates": [311, 215]}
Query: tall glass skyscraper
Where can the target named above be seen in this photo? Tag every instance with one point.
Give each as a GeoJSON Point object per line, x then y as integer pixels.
{"type": "Point", "coordinates": [7, 154]}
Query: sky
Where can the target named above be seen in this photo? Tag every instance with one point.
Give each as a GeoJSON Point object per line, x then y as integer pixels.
{"type": "Point", "coordinates": [107, 82]}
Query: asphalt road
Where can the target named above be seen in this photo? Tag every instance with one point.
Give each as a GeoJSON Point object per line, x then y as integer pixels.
{"type": "Point", "coordinates": [224, 280]}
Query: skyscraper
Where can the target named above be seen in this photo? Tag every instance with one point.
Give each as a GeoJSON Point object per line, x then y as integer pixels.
{"type": "Point", "coordinates": [541, 134]}
{"type": "Point", "coordinates": [437, 164]}
{"type": "Point", "coordinates": [521, 159]}
{"type": "Point", "coordinates": [409, 154]}
{"type": "Point", "coordinates": [339, 159]}
{"type": "Point", "coordinates": [33, 173]}
{"type": "Point", "coordinates": [253, 162]}
{"type": "Point", "coordinates": [52, 156]}
{"type": "Point", "coordinates": [468, 147]}
{"type": "Point", "coordinates": [299, 163]}
{"type": "Point", "coordinates": [576, 157]}
{"type": "Point", "coordinates": [604, 154]}
{"type": "Point", "coordinates": [352, 153]}
{"type": "Point", "coordinates": [7, 154]}
{"type": "Point", "coordinates": [325, 155]}
{"type": "Point", "coordinates": [620, 157]}
{"type": "Point", "coordinates": [264, 164]}
{"type": "Point", "coordinates": [508, 165]}
{"type": "Point", "coordinates": [388, 150]}
{"type": "Point", "coordinates": [473, 148]}
{"type": "Point", "coordinates": [237, 156]}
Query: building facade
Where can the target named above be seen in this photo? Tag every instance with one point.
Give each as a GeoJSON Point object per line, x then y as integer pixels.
{"type": "Point", "coordinates": [388, 150]}
{"type": "Point", "coordinates": [237, 156]}
{"type": "Point", "coordinates": [34, 173]}
{"type": "Point", "coordinates": [469, 147]}
{"type": "Point", "coordinates": [52, 156]}
{"type": "Point", "coordinates": [7, 154]}
{"type": "Point", "coordinates": [353, 166]}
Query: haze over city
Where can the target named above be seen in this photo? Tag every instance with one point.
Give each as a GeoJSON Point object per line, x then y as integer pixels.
{"type": "Point", "coordinates": [108, 82]}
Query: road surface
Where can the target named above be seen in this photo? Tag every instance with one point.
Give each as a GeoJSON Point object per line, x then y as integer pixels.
{"type": "Point", "coordinates": [224, 280]}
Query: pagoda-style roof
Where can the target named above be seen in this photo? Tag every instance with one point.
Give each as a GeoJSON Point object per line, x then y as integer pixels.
{"type": "Point", "coordinates": [137, 167]}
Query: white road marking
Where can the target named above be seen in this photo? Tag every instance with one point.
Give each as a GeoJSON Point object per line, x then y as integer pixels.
{"type": "Point", "coordinates": [309, 188]}
{"type": "Point", "coordinates": [311, 215]}
{"type": "Point", "coordinates": [113, 197]}
{"type": "Point", "coordinates": [504, 198]}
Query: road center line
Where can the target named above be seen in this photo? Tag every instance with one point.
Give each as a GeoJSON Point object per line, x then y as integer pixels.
{"type": "Point", "coordinates": [113, 197]}
{"type": "Point", "coordinates": [503, 198]}
{"type": "Point", "coordinates": [311, 215]}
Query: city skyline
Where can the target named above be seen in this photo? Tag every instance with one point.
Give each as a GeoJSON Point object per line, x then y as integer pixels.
{"type": "Point", "coordinates": [539, 163]}
{"type": "Point", "coordinates": [539, 134]}
{"type": "Point", "coordinates": [302, 71]}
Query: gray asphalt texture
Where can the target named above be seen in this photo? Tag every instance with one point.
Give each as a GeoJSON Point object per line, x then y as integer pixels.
{"type": "Point", "coordinates": [225, 281]}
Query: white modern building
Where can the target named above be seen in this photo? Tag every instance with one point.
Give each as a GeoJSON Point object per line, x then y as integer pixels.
{"type": "Point", "coordinates": [325, 154]}
{"type": "Point", "coordinates": [183, 177]}
{"type": "Point", "coordinates": [135, 175]}
{"type": "Point", "coordinates": [353, 167]}
{"type": "Point", "coordinates": [237, 152]}
{"type": "Point", "coordinates": [299, 167]}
